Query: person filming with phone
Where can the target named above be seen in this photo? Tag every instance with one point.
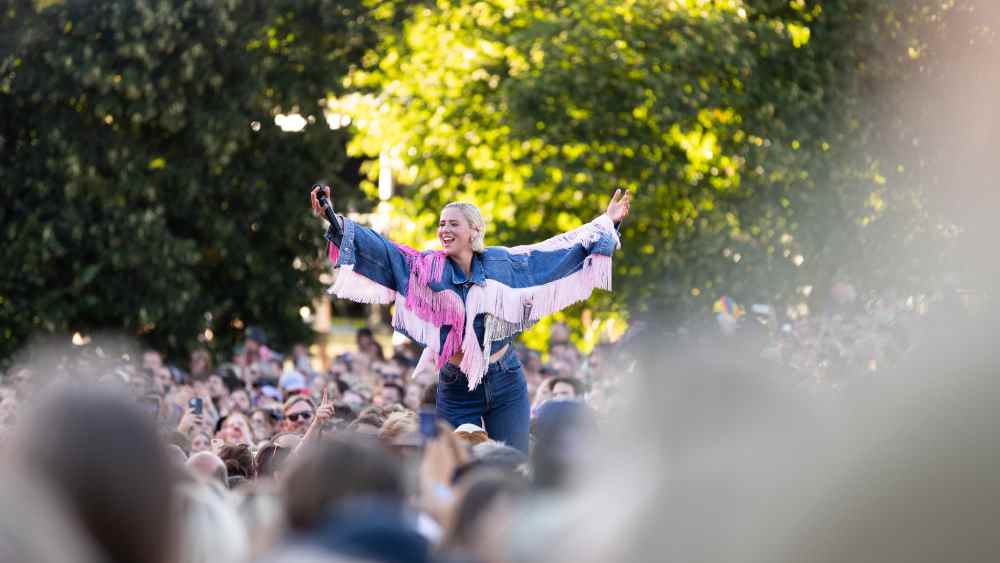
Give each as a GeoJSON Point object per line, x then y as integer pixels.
{"type": "Point", "coordinates": [467, 302]}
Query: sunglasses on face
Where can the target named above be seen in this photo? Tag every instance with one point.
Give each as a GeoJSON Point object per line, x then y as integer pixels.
{"type": "Point", "coordinates": [294, 417]}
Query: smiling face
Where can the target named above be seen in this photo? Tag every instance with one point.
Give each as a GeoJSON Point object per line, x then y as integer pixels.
{"type": "Point", "coordinates": [455, 232]}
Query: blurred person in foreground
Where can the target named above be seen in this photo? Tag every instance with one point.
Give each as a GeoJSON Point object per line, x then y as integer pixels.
{"type": "Point", "coordinates": [486, 501]}
{"type": "Point", "coordinates": [727, 461]}
{"type": "Point", "coordinates": [37, 527]}
{"type": "Point", "coordinates": [90, 446]}
{"type": "Point", "coordinates": [211, 529]}
{"type": "Point", "coordinates": [345, 495]}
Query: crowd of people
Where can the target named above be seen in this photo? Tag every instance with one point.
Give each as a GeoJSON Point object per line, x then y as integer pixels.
{"type": "Point", "coordinates": [264, 447]}
{"type": "Point", "coordinates": [110, 455]}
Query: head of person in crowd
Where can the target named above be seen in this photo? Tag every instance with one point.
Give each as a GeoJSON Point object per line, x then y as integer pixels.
{"type": "Point", "coordinates": [566, 389]}
{"type": "Point", "coordinates": [300, 356]}
{"type": "Point", "coordinates": [486, 504]}
{"type": "Point", "coordinates": [354, 400]}
{"type": "Point", "coordinates": [200, 364]}
{"type": "Point", "coordinates": [392, 394]}
{"type": "Point", "coordinates": [211, 528]}
{"type": "Point", "coordinates": [292, 383]}
{"type": "Point", "coordinates": [558, 334]}
{"type": "Point", "coordinates": [429, 399]}
{"type": "Point", "coordinates": [500, 456]}
{"type": "Point", "coordinates": [599, 357]}
{"type": "Point", "coordinates": [471, 434]}
{"type": "Point", "coordinates": [152, 404]}
{"type": "Point", "coordinates": [289, 440]}
{"type": "Point", "coordinates": [543, 394]}
{"type": "Point", "coordinates": [235, 428]}
{"type": "Point", "coordinates": [263, 422]}
{"type": "Point", "coordinates": [414, 396]}
{"type": "Point", "coordinates": [564, 432]}
{"type": "Point", "coordinates": [322, 383]}
{"type": "Point", "coordinates": [200, 442]}
{"type": "Point", "coordinates": [398, 425]}
{"type": "Point", "coordinates": [559, 367]}
{"type": "Point", "coordinates": [164, 378]}
{"type": "Point", "coordinates": [91, 445]}
{"type": "Point", "coordinates": [368, 425]}
{"type": "Point", "coordinates": [334, 471]}
{"type": "Point", "coordinates": [207, 466]}
{"type": "Point", "coordinates": [343, 413]}
{"type": "Point", "coordinates": [238, 459]}
{"type": "Point", "coordinates": [255, 341]}
{"type": "Point", "coordinates": [152, 360]}
{"type": "Point", "coordinates": [139, 383]}
{"type": "Point", "coordinates": [240, 400]}
{"type": "Point", "coordinates": [298, 413]}
{"type": "Point", "coordinates": [215, 387]}
{"type": "Point", "coordinates": [270, 460]}
{"type": "Point", "coordinates": [365, 339]}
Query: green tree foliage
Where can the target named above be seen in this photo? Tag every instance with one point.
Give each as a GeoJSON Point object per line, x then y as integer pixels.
{"type": "Point", "coordinates": [145, 185]}
{"type": "Point", "coordinates": [752, 133]}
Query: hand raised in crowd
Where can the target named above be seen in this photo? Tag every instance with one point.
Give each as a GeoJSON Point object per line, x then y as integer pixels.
{"type": "Point", "coordinates": [321, 416]}
{"type": "Point", "coordinates": [619, 207]}
{"type": "Point", "coordinates": [324, 412]}
{"type": "Point", "coordinates": [190, 421]}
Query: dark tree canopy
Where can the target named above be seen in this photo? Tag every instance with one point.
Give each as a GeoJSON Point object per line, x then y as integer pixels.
{"type": "Point", "coordinates": [145, 184]}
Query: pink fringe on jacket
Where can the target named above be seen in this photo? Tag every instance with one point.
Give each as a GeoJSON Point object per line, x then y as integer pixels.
{"type": "Point", "coordinates": [436, 308]}
{"type": "Point", "coordinates": [352, 285]}
{"type": "Point", "coordinates": [507, 303]}
{"type": "Point", "coordinates": [334, 253]}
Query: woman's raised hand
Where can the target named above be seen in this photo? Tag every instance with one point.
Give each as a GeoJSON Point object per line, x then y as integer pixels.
{"type": "Point", "coordinates": [314, 200]}
{"type": "Point", "coordinates": [619, 207]}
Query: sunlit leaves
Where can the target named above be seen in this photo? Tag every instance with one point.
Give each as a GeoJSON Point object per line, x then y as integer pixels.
{"type": "Point", "coordinates": [736, 123]}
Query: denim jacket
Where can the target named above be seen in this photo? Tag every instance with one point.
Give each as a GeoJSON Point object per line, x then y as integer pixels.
{"type": "Point", "coordinates": [507, 290]}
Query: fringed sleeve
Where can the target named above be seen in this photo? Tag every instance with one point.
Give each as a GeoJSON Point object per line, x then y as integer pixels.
{"type": "Point", "coordinates": [370, 268]}
{"type": "Point", "coordinates": [544, 278]}
{"type": "Point", "coordinates": [373, 269]}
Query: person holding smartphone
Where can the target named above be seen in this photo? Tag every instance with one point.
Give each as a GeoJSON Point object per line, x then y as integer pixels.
{"type": "Point", "coordinates": [467, 302]}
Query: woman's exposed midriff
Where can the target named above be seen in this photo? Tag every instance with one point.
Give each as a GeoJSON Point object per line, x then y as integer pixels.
{"type": "Point", "coordinates": [456, 358]}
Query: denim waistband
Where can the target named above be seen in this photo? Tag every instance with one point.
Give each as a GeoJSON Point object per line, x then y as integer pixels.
{"type": "Point", "coordinates": [493, 365]}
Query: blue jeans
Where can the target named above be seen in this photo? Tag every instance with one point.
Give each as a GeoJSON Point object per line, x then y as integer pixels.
{"type": "Point", "coordinates": [500, 402]}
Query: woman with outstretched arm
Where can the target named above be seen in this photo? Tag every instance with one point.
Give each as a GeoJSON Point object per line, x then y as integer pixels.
{"type": "Point", "coordinates": [467, 302]}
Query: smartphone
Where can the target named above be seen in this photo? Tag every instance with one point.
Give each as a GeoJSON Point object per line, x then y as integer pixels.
{"type": "Point", "coordinates": [196, 405]}
{"type": "Point", "coordinates": [428, 424]}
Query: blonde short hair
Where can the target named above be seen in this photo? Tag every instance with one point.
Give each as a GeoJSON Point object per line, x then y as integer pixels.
{"type": "Point", "coordinates": [475, 219]}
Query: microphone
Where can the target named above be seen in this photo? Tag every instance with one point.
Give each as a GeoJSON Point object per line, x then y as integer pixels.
{"type": "Point", "coordinates": [335, 230]}
{"type": "Point", "coordinates": [325, 204]}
